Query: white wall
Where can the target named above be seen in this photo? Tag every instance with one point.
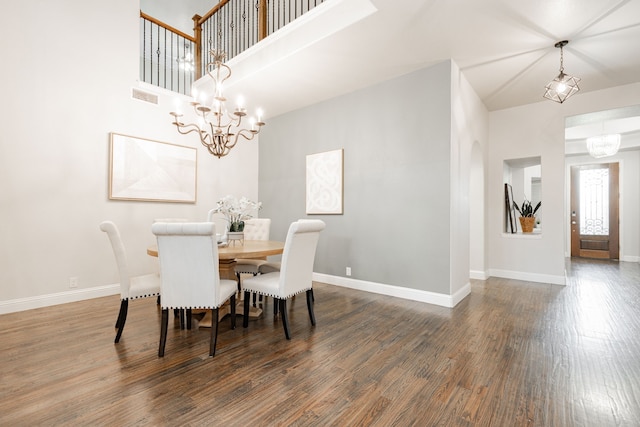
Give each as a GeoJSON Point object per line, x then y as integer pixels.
{"type": "Point", "coordinates": [477, 253]}
{"type": "Point", "coordinates": [469, 130]}
{"type": "Point", "coordinates": [62, 96]}
{"type": "Point", "coordinates": [528, 131]}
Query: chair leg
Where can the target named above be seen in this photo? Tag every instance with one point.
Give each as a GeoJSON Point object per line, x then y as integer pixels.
{"type": "Point", "coordinates": [245, 318]}
{"type": "Point", "coordinates": [122, 318]}
{"type": "Point", "coordinates": [255, 295]}
{"type": "Point", "coordinates": [313, 297]}
{"type": "Point", "coordinates": [276, 301]}
{"type": "Point", "coordinates": [285, 318]}
{"type": "Point", "coordinates": [214, 332]}
{"type": "Point", "coordinates": [119, 319]}
{"type": "Point", "coordinates": [239, 283]}
{"type": "Point", "coordinates": [182, 319]}
{"type": "Point", "coordinates": [233, 311]}
{"type": "Point", "coordinates": [163, 331]}
{"type": "Point", "coordinates": [312, 316]}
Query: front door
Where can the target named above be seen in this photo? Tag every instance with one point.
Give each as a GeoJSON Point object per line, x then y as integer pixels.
{"type": "Point", "coordinates": [594, 211]}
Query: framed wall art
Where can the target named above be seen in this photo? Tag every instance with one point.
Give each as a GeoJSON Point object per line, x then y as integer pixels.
{"type": "Point", "coordinates": [146, 170]}
{"type": "Point", "coordinates": [325, 175]}
{"type": "Point", "coordinates": [510, 211]}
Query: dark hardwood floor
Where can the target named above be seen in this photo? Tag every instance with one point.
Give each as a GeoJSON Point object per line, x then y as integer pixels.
{"type": "Point", "coordinates": [511, 354]}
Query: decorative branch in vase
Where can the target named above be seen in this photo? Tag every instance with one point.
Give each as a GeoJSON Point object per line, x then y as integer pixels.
{"type": "Point", "coordinates": [527, 215]}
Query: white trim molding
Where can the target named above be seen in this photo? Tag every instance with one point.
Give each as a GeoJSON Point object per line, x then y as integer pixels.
{"type": "Point", "coordinates": [529, 277]}
{"type": "Point", "coordinates": [478, 275]}
{"type": "Point", "coordinates": [22, 304]}
{"type": "Point", "coordinates": [442, 300]}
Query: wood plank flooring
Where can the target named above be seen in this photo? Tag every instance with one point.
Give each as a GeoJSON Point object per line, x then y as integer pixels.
{"type": "Point", "coordinates": [513, 353]}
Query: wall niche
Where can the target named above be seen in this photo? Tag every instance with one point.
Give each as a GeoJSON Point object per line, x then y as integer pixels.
{"type": "Point", "coordinates": [523, 181]}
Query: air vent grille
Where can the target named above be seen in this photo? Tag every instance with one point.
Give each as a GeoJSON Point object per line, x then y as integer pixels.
{"type": "Point", "coordinates": [144, 96]}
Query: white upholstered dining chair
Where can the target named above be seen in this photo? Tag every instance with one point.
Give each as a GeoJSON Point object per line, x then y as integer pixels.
{"type": "Point", "coordinates": [131, 287]}
{"type": "Point", "coordinates": [189, 274]}
{"type": "Point", "coordinates": [295, 275]}
{"type": "Point", "coordinates": [272, 266]}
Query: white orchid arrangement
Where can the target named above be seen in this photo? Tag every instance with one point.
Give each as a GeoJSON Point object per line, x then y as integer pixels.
{"type": "Point", "coordinates": [237, 211]}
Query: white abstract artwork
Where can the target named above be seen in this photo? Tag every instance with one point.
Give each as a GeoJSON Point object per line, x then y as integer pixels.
{"type": "Point", "coordinates": [325, 182]}
{"type": "Point", "coordinates": [142, 169]}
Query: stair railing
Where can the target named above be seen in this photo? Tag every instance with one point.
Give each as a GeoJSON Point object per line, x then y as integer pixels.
{"type": "Point", "coordinates": [174, 60]}
{"type": "Point", "coordinates": [167, 56]}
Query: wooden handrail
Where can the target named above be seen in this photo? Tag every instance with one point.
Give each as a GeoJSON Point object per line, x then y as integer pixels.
{"type": "Point", "coordinates": [211, 12]}
{"type": "Point", "coordinates": [197, 29]}
{"type": "Point", "coordinates": [262, 19]}
{"type": "Point", "coordinates": [167, 26]}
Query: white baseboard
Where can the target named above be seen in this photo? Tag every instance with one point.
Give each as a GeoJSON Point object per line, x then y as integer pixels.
{"type": "Point", "coordinates": [396, 291]}
{"type": "Point", "coordinates": [443, 300]}
{"type": "Point", "coordinates": [630, 258]}
{"type": "Point", "coordinates": [478, 275]}
{"type": "Point", "coordinates": [21, 304]}
{"type": "Point", "coordinates": [461, 294]}
{"type": "Point", "coordinates": [529, 277]}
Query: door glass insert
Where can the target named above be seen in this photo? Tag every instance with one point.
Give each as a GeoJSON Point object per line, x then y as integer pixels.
{"type": "Point", "coordinates": [594, 202]}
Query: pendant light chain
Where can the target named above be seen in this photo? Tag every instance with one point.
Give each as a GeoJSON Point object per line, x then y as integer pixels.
{"type": "Point", "coordinates": [563, 86]}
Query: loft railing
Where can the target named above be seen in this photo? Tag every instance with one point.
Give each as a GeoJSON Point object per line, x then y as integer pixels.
{"type": "Point", "coordinates": [173, 59]}
{"type": "Point", "coordinates": [239, 24]}
{"type": "Point", "coordinates": [167, 55]}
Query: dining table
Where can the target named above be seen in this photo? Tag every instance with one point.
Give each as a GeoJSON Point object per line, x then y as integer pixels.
{"type": "Point", "coordinates": [228, 253]}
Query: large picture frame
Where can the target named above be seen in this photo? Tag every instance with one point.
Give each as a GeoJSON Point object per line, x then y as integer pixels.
{"type": "Point", "coordinates": [142, 169]}
{"type": "Point", "coordinates": [325, 181]}
{"type": "Point", "coordinates": [510, 211]}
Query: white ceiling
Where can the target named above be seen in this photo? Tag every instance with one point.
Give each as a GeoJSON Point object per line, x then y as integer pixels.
{"type": "Point", "coordinates": [505, 48]}
{"type": "Point", "coordinates": [624, 120]}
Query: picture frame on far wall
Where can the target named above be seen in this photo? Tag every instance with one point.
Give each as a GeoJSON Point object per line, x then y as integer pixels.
{"type": "Point", "coordinates": [142, 169]}
{"type": "Point", "coordinates": [325, 183]}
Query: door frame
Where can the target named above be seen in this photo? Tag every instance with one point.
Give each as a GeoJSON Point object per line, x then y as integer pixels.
{"type": "Point", "coordinates": [614, 211]}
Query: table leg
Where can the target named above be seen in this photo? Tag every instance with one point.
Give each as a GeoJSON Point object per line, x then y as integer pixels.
{"type": "Point", "coordinates": [222, 311]}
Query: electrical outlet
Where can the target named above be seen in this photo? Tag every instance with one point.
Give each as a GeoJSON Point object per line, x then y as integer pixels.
{"type": "Point", "coordinates": [348, 271]}
{"type": "Point", "coordinates": [73, 282]}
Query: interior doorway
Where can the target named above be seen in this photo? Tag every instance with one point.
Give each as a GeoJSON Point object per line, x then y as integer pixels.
{"type": "Point", "coordinates": [594, 216]}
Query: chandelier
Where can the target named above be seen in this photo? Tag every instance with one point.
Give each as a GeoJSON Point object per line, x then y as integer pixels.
{"type": "Point", "coordinates": [186, 61]}
{"type": "Point", "coordinates": [563, 86]}
{"type": "Point", "coordinates": [218, 128]}
{"type": "Point", "coordinates": [603, 145]}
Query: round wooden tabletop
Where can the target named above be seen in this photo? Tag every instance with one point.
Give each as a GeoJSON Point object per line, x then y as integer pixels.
{"type": "Point", "coordinates": [247, 249]}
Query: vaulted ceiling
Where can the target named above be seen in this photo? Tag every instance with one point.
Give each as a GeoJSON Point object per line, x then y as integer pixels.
{"type": "Point", "coordinates": [505, 48]}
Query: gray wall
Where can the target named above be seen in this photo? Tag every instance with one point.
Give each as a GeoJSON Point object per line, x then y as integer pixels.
{"type": "Point", "coordinates": [396, 138]}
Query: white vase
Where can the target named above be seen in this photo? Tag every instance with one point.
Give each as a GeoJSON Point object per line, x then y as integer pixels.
{"type": "Point", "coordinates": [234, 237]}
